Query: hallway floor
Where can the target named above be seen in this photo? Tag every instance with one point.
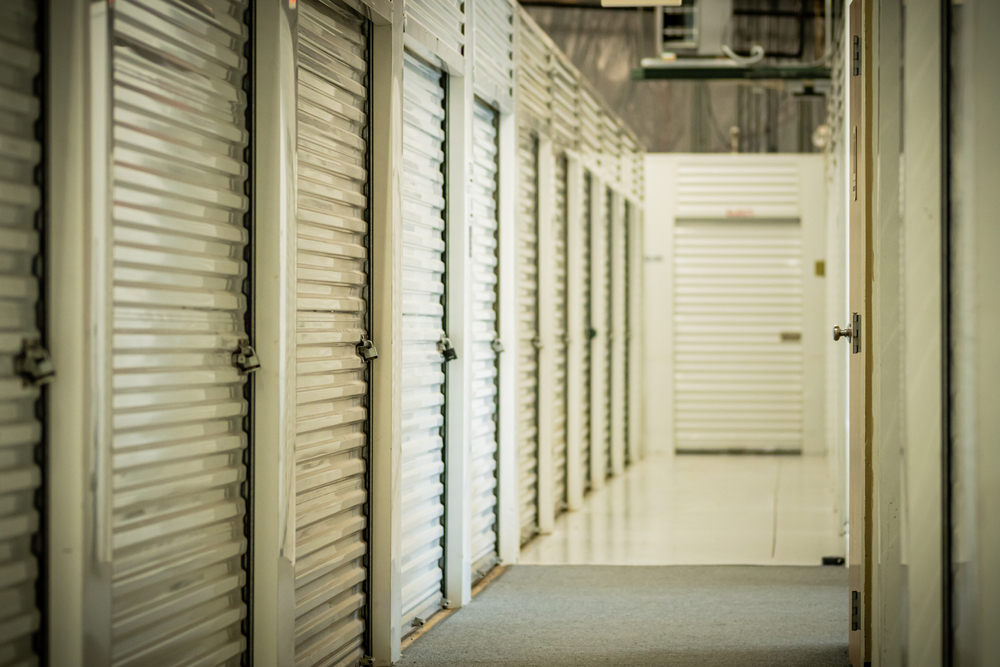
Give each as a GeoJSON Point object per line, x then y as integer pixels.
{"type": "Point", "coordinates": [658, 568]}
{"type": "Point", "coordinates": [587, 616]}
{"type": "Point", "coordinates": [702, 510]}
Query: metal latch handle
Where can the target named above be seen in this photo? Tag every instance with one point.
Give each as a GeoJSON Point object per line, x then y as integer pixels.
{"type": "Point", "coordinates": [34, 364]}
{"type": "Point", "coordinates": [245, 358]}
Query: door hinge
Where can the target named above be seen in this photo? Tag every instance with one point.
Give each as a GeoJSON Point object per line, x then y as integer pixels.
{"type": "Point", "coordinates": [34, 364]}
{"type": "Point", "coordinates": [856, 334]}
{"type": "Point", "coordinates": [446, 349]}
{"type": "Point", "coordinates": [245, 359]}
{"type": "Point", "coordinates": [366, 349]}
{"type": "Point", "coordinates": [496, 345]}
{"type": "Point", "coordinates": [856, 60]}
{"type": "Point", "coordinates": [592, 334]}
{"type": "Point", "coordinates": [855, 611]}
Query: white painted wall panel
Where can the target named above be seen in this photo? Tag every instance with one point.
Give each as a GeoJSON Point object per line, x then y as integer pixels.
{"type": "Point", "coordinates": [423, 301]}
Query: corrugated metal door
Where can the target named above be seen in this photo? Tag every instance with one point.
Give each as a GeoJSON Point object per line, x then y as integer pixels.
{"type": "Point", "coordinates": [331, 446]}
{"type": "Point", "coordinates": [423, 329]}
{"type": "Point", "coordinates": [737, 335]}
{"type": "Point", "coordinates": [618, 323]}
{"type": "Point", "coordinates": [560, 333]}
{"type": "Point", "coordinates": [178, 307]}
{"type": "Point", "coordinates": [527, 331]}
{"type": "Point", "coordinates": [605, 285]}
{"type": "Point", "coordinates": [586, 330]}
{"type": "Point", "coordinates": [20, 430]}
{"type": "Point", "coordinates": [485, 337]}
{"type": "Point", "coordinates": [627, 366]}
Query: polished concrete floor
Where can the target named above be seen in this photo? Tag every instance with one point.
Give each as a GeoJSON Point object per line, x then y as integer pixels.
{"type": "Point", "coordinates": [702, 510]}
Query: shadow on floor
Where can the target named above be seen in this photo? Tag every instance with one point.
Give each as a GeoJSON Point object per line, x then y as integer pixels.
{"type": "Point", "coordinates": [583, 616]}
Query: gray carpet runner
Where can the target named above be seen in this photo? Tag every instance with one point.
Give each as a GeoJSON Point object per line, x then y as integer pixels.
{"type": "Point", "coordinates": [676, 616]}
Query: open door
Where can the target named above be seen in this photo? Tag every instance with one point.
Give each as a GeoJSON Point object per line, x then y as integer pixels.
{"type": "Point", "coordinates": [856, 335]}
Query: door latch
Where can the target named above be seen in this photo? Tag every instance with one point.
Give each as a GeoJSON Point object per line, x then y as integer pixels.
{"type": "Point", "coordinates": [856, 338]}
{"type": "Point", "coordinates": [34, 364]}
{"type": "Point", "coordinates": [592, 333]}
{"type": "Point", "coordinates": [851, 333]}
{"type": "Point", "coordinates": [446, 349]}
{"type": "Point", "coordinates": [366, 349]}
{"type": "Point", "coordinates": [245, 359]}
{"type": "Point", "coordinates": [496, 345]}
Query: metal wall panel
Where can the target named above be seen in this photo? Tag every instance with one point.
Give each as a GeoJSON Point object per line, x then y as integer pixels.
{"type": "Point", "coordinates": [20, 430]}
{"type": "Point", "coordinates": [738, 189]}
{"type": "Point", "coordinates": [737, 334]}
{"type": "Point", "coordinates": [493, 52]}
{"type": "Point", "coordinates": [332, 430]}
{"type": "Point", "coordinates": [443, 19]}
{"type": "Point", "coordinates": [605, 359]}
{"type": "Point", "coordinates": [527, 330]}
{"type": "Point", "coordinates": [485, 336]}
{"type": "Point", "coordinates": [176, 291]}
{"type": "Point", "coordinates": [560, 333]}
{"type": "Point", "coordinates": [586, 329]}
{"type": "Point", "coordinates": [589, 112]}
{"type": "Point", "coordinates": [611, 148]}
{"type": "Point", "coordinates": [533, 81]}
{"type": "Point", "coordinates": [423, 329]}
{"type": "Point", "coordinates": [565, 122]}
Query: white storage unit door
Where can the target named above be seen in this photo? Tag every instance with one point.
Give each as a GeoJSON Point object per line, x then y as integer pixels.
{"type": "Point", "coordinates": [627, 366]}
{"type": "Point", "coordinates": [20, 431]}
{"type": "Point", "coordinates": [586, 330]}
{"type": "Point", "coordinates": [605, 294]}
{"type": "Point", "coordinates": [331, 446]}
{"type": "Point", "coordinates": [485, 337]}
{"type": "Point", "coordinates": [560, 333]}
{"type": "Point", "coordinates": [527, 331]}
{"type": "Point", "coordinates": [175, 284]}
{"type": "Point", "coordinates": [618, 323]}
{"type": "Point", "coordinates": [737, 335]}
{"type": "Point", "coordinates": [423, 328]}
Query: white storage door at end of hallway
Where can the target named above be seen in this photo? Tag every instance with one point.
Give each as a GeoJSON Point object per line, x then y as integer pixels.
{"type": "Point", "coordinates": [20, 430]}
{"type": "Point", "coordinates": [423, 330]}
{"type": "Point", "coordinates": [560, 333]}
{"type": "Point", "coordinates": [738, 381]}
{"type": "Point", "coordinates": [331, 447]}
{"type": "Point", "coordinates": [485, 337]}
{"type": "Point", "coordinates": [527, 331]}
